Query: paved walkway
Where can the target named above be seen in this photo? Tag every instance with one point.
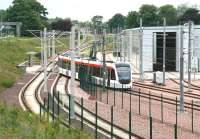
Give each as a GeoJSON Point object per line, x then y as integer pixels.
{"type": "Point", "coordinates": [10, 95]}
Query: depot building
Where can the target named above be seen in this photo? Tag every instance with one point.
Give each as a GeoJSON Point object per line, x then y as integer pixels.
{"type": "Point", "coordinates": [150, 39]}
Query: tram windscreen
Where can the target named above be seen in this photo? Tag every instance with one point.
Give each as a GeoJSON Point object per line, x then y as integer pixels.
{"type": "Point", "coordinates": [124, 72]}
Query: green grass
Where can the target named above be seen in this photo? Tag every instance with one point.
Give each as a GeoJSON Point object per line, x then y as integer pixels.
{"type": "Point", "coordinates": [13, 51]}
{"type": "Point", "coordinates": [7, 83]}
{"type": "Point", "coordinates": [17, 124]}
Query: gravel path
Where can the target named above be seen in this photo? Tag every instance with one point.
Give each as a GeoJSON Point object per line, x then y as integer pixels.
{"type": "Point", "coordinates": [11, 95]}
{"type": "Point", "coordinates": [140, 123]}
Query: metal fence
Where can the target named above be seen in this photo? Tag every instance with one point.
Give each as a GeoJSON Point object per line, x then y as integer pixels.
{"type": "Point", "coordinates": [160, 107]}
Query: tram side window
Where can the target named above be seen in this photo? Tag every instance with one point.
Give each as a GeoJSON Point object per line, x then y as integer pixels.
{"type": "Point", "coordinates": [68, 65]}
{"type": "Point", "coordinates": [60, 63]}
{"type": "Point", "coordinates": [96, 72]}
{"type": "Point", "coordinates": [101, 72]}
{"type": "Point", "coordinates": [113, 74]}
{"type": "Point", "coordinates": [77, 67]}
{"type": "Point", "coordinates": [91, 69]}
{"type": "Point", "coordinates": [63, 64]}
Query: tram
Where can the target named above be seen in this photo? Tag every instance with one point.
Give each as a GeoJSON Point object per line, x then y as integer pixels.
{"type": "Point", "coordinates": [118, 74]}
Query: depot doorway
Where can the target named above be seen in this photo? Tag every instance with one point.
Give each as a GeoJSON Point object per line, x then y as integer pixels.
{"type": "Point", "coordinates": [170, 62]}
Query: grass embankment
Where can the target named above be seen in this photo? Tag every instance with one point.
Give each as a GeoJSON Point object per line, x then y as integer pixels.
{"type": "Point", "coordinates": [17, 124]}
{"type": "Point", "coordinates": [13, 51]}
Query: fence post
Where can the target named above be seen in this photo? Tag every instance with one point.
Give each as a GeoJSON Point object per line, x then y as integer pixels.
{"type": "Point", "coordinates": [44, 107]}
{"type": "Point", "coordinates": [139, 101]}
{"type": "Point", "coordinates": [162, 108]}
{"type": "Point", "coordinates": [150, 122]}
{"type": "Point", "coordinates": [82, 113]}
{"type": "Point", "coordinates": [69, 96]}
{"type": "Point", "coordinates": [130, 101]}
{"type": "Point", "coordinates": [107, 96]}
{"type": "Point", "coordinates": [111, 122]}
{"type": "Point", "coordinates": [89, 86]}
{"type": "Point", "coordinates": [95, 87]}
{"type": "Point", "coordinates": [40, 111]}
{"type": "Point", "coordinates": [101, 91]}
{"type": "Point", "coordinates": [114, 94]}
{"type": "Point", "coordinates": [149, 103]}
{"type": "Point", "coordinates": [122, 97]}
{"type": "Point", "coordinates": [176, 110]}
{"type": "Point", "coordinates": [192, 116]}
{"type": "Point", "coordinates": [96, 113]}
{"type": "Point", "coordinates": [58, 107]}
{"type": "Point", "coordinates": [175, 131]}
{"type": "Point", "coordinates": [48, 107]}
{"type": "Point", "coordinates": [92, 86]}
{"type": "Point", "coordinates": [53, 106]}
{"type": "Point", "coordinates": [130, 125]}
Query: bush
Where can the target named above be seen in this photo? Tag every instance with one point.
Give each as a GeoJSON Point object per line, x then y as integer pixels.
{"type": "Point", "coordinates": [7, 83]}
{"type": "Point", "coordinates": [17, 124]}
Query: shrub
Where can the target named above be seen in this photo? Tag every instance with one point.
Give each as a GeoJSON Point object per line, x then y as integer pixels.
{"type": "Point", "coordinates": [7, 83]}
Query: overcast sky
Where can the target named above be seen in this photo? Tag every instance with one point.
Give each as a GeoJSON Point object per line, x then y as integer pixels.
{"type": "Point", "coordinates": [85, 9]}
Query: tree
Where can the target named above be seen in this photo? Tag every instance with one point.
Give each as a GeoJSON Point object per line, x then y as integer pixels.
{"type": "Point", "coordinates": [191, 14]}
{"type": "Point", "coordinates": [169, 12]}
{"type": "Point", "coordinates": [61, 24]}
{"type": "Point", "coordinates": [118, 20]}
{"type": "Point", "coordinates": [148, 13]}
{"type": "Point", "coordinates": [30, 12]}
{"type": "Point", "coordinates": [97, 21]}
{"type": "Point", "coordinates": [181, 9]}
{"type": "Point", "coordinates": [132, 19]}
{"type": "Point", "coordinates": [2, 15]}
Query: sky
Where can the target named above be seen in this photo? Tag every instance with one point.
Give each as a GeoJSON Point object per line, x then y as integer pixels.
{"type": "Point", "coordinates": [84, 10]}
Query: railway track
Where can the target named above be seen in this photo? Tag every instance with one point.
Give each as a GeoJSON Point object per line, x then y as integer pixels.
{"type": "Point", "coordinates": [166, 99]}
{"type": "Point", "coordinates": [167, 90]}
{"type": "Point", "coordinates": [89, 118]}
{"type": "Point", "coordinates": [23, 95]}
{"type": "Point", "coordinates": [29, 96]}
{"type": "Point", "coordinates": [194, 87]}
{"type": "Point", "coordinates": [31, 89]}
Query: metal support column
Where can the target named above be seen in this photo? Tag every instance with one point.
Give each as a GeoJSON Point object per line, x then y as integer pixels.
{"type": "Point", "coordinates": [122, 48]}
{"type": "Point", "coordinates": [130, 46]}
{"type": "Point", "coordinates": [49, 46]}
{"type": "Point", "coordinates": [42, 48]}
{"type": "Point", "coordinates": [79, 42]}
{"type": "Point", "coordinates": [164, 48]}
{"type": "Point", "coordinates": [53, 44]}
{"type": "Point", "coordinates": [45, 59]}
{"type": "Point", "coordinates": [117, 46]}
{"type": "Point", "coordinates": [189, 56]}
{"type": "Point", "coordinates": [181, 70]}
{"type": "Point", "coordinates": [141, 52]}
{"type": "Point", "coordinates": [104, 59]}
{"type": "Point", "coordinates": [95, 43]}
{"type": "Point", "coordinates": [73, 73]}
